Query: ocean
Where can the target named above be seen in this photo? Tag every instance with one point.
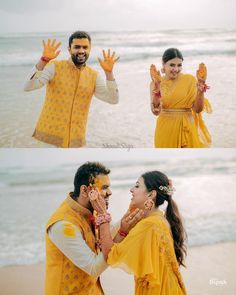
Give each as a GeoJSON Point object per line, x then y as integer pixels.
{"type": "Point", "coordinates": [29, 194]}
{"type": "Point", "coordinates": [131, 121]}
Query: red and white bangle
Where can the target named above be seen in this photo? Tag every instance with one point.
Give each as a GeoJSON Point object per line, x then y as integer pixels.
{"type": "Point", "coordinates": [206, 87]}
{"type": "Point", "coordinates": [122, 233]}
{"type": "Point", "coordinates": [45, 59]}
{"type": "Point", "coordinates": [157, 93]}
{"type": "Point", "coordinates": [102, 218]}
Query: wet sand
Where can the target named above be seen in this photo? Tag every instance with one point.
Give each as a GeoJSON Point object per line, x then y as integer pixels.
{"type": "Point", "coordinates": [210, 270]}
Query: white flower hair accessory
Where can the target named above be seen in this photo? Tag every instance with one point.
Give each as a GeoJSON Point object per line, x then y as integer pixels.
{"type": "Point", "coordinates": [168, 190]}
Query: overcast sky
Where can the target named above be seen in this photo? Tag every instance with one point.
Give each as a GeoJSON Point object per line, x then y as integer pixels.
{"type": "Point", "coordinates": [91, 15]}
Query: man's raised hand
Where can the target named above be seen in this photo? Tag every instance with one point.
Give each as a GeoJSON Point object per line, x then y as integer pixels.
{"type": "Point", "coordinates": [50, 49]}
{"type": "Point", "coordinates": [108, 61]}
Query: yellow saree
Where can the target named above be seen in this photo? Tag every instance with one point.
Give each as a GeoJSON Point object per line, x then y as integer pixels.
{"type": "Point", "coordinates": [148, 253]}
{"type": "Point", "coordinates": [178, 126]}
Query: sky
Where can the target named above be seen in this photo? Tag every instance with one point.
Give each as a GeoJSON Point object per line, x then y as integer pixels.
{"type": "Point", "coordinates": [52, 156]}
{"type": "Point", "coordinates": [114, 15]}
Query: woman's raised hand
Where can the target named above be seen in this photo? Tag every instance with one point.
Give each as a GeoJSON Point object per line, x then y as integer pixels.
{"type": "Point", "coordinates": [50, 49]}
{"type": "Point", "coordinates": [201, 78]}
{"type": "Point", "coordinates": [202, 72]}
{"type": "Point", "coordinates": [155, 76]}
{"type": "Point", "coordinates": [156, 103]}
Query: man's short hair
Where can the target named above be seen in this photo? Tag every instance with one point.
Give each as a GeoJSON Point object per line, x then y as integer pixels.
{"type": "Point", "coordinates": [85, 175]}
{"type": "Point", "coordinates": [79, 35]}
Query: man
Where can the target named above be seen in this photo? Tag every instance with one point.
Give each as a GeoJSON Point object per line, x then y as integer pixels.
{"type": "Point", "coordinates": [73, 262]}
{"type": "Point", "coordinates": [70, 85]}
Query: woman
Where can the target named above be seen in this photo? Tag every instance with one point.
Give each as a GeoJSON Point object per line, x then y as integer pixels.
{"type": "Point", "coordinates": [154, 249]}
{"type": "Point", "coordinates": [178, 99]}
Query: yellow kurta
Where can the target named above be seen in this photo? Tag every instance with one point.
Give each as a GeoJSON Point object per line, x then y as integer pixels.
{"type": "Point", "coordinates": [62, 276]}
{"type": "Point", "coordinates": [148, 253]}
{"type": "Point", "coordinates": [178, 126]}
{"type": "Point", "coordinates": [63, 119]}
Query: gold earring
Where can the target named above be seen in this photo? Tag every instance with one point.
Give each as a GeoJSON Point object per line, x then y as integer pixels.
{"type": "Point", "coordinates": [149, 204]}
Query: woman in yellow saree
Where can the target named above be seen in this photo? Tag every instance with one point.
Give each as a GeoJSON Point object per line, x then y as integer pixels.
{"type": "Point", "coordinates": [178, 100]}
{"type": "Point", "coordinates": [154, 248]}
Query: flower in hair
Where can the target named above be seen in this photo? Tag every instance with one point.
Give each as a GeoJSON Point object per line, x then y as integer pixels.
{"type": "Point", "coordinates": [168, 190]}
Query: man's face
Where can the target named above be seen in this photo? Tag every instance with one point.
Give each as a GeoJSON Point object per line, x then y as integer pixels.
{"type": "Point", "coordinates": [102, 182]}
{"type": "Point", "coordinates": [79, 51]}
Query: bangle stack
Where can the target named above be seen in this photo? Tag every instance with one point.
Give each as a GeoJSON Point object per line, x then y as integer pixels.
{"type": "Point", "coordinates": [102, 218]}
{"type": "Point", "coordinates": [206, 87]}
{"type": "Point", "coordinates": [157, 93]}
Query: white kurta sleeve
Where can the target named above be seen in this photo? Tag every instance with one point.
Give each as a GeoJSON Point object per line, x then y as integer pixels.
{"type": "Point", "coordinates": [106, 92]}
{"type": "Point", "coordinates": [38, 79]}
{"type": "Point", "coordinates": [74, 247]}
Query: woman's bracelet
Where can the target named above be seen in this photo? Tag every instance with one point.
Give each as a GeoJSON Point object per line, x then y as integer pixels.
{"type": "Point", "coordinates": [157, 93]}
{"type": "Point", "coordinates": [102, 218]}
{"type": "Point", "coordinates": [45, 59]}
{"type": "Point", "coordinates": [122, 233]}
{"type": "Point", "coordinates": [205, 87]}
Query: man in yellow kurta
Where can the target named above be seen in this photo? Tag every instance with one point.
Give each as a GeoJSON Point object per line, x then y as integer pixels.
{"type": "Point", "coordinates": [73, 261]}
{"type": "Point", "coordinates": [70, 85]}
{"type": "Point", "coordinates": [73, 265]}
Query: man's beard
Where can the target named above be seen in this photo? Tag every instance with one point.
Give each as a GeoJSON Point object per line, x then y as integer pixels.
{"type": "Point", "coordinates": [77, 62]}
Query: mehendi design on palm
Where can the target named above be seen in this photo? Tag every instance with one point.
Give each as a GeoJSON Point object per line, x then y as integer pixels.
{"type": "Point", "coordinates": [201, 77]}
{"type": "Point", "coordinates": [50, 49]}
{"type": "Point", "coordinates": [155, 74]}
{"type": "Point", "coordinates": [108, 60]}
{"type": "Point", "coordinates": [202, 72]}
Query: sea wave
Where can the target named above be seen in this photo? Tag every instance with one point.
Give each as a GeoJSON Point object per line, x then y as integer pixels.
{"type": "Point", "coordinates": [124, 174]}
{"type": "Point", "coordinates": [24, 49]}
{"type": "Point", "coordinates": [204, 194]}
{"type": "Point", "coordinates": [27, 61]}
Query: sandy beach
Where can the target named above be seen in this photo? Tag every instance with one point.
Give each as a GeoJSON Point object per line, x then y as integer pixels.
{"type": "Point", "coordinates": [210, 270]}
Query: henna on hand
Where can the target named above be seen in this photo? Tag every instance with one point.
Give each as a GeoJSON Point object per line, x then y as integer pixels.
{"type": "Point", "coordinates": [108, 60]}
{"type": "Point", "coordinates": [50, 49]}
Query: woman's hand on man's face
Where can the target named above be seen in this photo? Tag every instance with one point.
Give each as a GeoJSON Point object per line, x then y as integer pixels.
{"type": "Point", "coordinates": [97, 201]}
{"type": "Point", "coordinates": [130, 219]}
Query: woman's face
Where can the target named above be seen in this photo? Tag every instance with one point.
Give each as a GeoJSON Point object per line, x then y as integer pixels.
{"type": "Point", "coordinates": [139, 194]}
{"type": "Point", "coordinates": [173, 68]}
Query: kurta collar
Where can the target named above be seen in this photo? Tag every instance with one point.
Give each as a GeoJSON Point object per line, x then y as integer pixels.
{"type": "Point", "coordinates": [78, 208]}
